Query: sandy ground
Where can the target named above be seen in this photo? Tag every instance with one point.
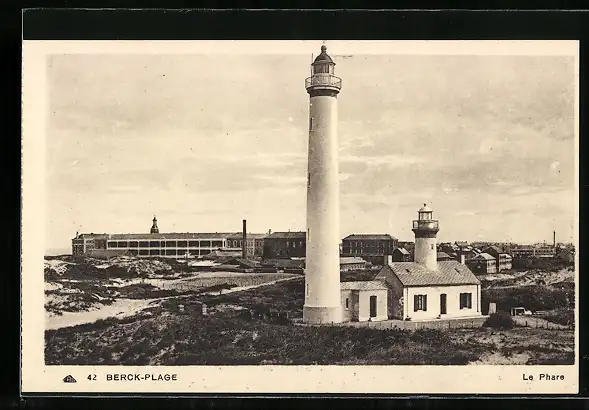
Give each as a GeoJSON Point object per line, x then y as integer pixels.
{"type": "Point", "coordinates": [124, 307]}
{"type": "Point", "coordinates": [120, 308]}
{"type": "Point", "coordinates": [497, 358]}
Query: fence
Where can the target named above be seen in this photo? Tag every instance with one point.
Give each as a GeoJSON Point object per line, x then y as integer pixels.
{"type": "Point", "coordinates": [537, 323]}
{"type": "Point", "coordinates": [470, 323]}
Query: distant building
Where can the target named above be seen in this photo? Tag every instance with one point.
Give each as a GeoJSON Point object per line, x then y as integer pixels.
{"type": "Point", "coordinates": [254, 243]}
{"type": "Point", "coordinates": [85, 242]}
{"type": "Point", "coordinates": [284, 264]}
{"type": "Point", "coordinates": [502, 259]}
{"type": "Point", "coordinates": [348, 263]}
{"type": "Point", "coordinates": [153, 244]}
{"type": "Point", "coordinates": [241, 264]}
{"type": "Point", "coordinates": [483, 263]}
{"type": "Point", "coordinates": [222, 255]}
{"type": "Point", "coordinates": [533, 251]}
{"type": "Point", "coordinates": [371, 247]}
{"type": "Point", "coordinates": [401, 255]}
{"type": "Point", "coordinates": [285, 245]}
{"type": "Point", "coordinates": [443, 256]}
{"type": "Point", "coordinates": [448, 248]}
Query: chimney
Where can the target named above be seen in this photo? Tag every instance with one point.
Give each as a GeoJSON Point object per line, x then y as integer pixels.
{"type": "Point", "coordinates": [554, 239]}
{"type": "Point", "coordinates": [462, 258]}
{"type": "Point", "coordinates": [388, 259]}
{"type": "Point", "coordinates": [269, 231]}
{"type": "Point", "coordinates": [244, 247]}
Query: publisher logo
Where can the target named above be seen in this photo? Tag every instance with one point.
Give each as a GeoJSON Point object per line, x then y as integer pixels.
{"type": "Point", "coordinates": [69, 379]}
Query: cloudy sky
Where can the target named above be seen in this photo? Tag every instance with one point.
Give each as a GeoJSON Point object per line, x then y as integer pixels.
{"type": "Point", "coordinates": [203, 141]}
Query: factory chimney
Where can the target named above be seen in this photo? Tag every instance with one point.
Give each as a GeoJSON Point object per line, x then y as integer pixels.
{"type": "Point", "coordinates": [244, 247]}
{"type": "Point", "coordinates": [554, 239]}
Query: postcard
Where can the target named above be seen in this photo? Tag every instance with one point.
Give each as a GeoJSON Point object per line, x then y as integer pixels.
{"type": "Point", "coordinates": [394, 217]}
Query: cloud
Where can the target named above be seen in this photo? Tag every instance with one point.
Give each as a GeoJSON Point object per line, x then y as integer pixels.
{"type": "Point", "coordinates": [487, 140]}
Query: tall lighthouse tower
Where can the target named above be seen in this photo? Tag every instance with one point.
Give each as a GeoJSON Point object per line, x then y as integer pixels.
{"type": "Point", "coordinates": [426, 230]}
{"type": "Point", "coordinates": [322, 274]}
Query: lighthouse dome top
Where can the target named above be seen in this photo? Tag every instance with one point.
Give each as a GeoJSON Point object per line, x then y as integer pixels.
{"type": "Point", "coordinates": [425, 208]}
{"type": "Point", "coordinates": [323, 58]}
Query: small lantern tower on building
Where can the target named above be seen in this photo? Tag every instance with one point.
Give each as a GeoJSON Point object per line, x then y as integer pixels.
{"type": "Point", "coordinates": [426, 229]}
{"type": "Point", "coordinates": [154, 228]}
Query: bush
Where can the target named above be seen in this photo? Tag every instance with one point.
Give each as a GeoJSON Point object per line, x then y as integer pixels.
{"type": "Point", "coordinates": [499, 320]}
{"type": "Point", "coordinates": [432, 337]}
{"type": "Point", "coordinates": [532, 297]}
{"type": "Point", "coordinates": [564, 317]}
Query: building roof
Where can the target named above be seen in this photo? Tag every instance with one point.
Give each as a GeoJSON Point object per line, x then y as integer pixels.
{"type": "Point", "coordinates": [494, 248]}
{"type": "Point", "coordinates": [284, 263]}
{"type": "Point", "coordinates": [364, 285]}
{"type": "Point", "coordinates": [443, 255]}
{"type": "Point", "coordinates": [425, 208]}
{"type": "Point", "coordinates": [239, 235]}
{"type": "Point", "coordinates": [242, 262]}
{"type": "Point", "coordinates": [171, 235]}
{"type": "Point", "coordinates": [369, 237]}
{"type": "Point", "coordinates": [483, 256]}
{"type": "Point", "coordinates": [402, 250]}
{"type": "Point", "coordinates": [323, 57]}
{"type": "Point", "coordinates": [461, 243]}
{"type": "Point", "coordinates": [506, 255]}
{"type": "Point", "coordinates": [350, 260]}
{"type": "Point", "coordinates": [222, 254]}
{"type": "Point", "coordinates": [92, 236]}
{"type": "Point", "coordinates": [287, 235]}
{"type": "Point", "coordinates": [415, 274]}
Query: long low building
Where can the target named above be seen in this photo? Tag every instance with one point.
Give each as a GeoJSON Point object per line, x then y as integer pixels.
{"type": "Point", "coordinates": [156, 244]}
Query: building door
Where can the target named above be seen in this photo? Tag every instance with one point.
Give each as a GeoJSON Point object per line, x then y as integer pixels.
{"type": "Point", "coordinates": [443, 304]}
{"type": "Point", "coordinates": [372, 306]}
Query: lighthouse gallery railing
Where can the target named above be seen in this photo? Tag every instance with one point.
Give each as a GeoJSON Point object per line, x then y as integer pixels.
{"type": "Point", "coordinates": [328, 80]}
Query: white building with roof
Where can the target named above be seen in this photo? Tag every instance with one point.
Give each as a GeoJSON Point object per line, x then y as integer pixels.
{"type": "Point", "coordinates": [427, 288]}
{"type": "Point", "coordinates": [364, 300]}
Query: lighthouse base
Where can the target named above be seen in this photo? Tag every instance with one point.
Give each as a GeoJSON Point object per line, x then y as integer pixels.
{"type": "Point", "coordinates": [316, 315]}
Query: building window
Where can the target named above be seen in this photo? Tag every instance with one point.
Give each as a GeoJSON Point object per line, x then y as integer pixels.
{"type": "Point", "coordinates": [218, 243]}
{"type": "Point", "coordinates": [419, 303]}
{"type": "Point", "coordinates": [347, 303]}
{"type": "Point", "coordinates": [307, 289]}
{"type": "Point", "coordinates": [143, 244]}
{"type": "Point", "coordinates": [287, 244]}
{"type": "Point", "coordinates": [310, 123]}
{"type": "Point", "coordinates": [133, 244]}
{"type": "Point", "coordinates": [193, 243]}
{"type": "Point", "coordinates": [466, 301]}
{"type": "Point", "coordinates": [182, 244]}
{"type": "Point", "coordinates": [432, 246]}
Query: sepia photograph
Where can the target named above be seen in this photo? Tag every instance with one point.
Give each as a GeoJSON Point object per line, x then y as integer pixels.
{"type": "Point", "coordinates": [305, 204]}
